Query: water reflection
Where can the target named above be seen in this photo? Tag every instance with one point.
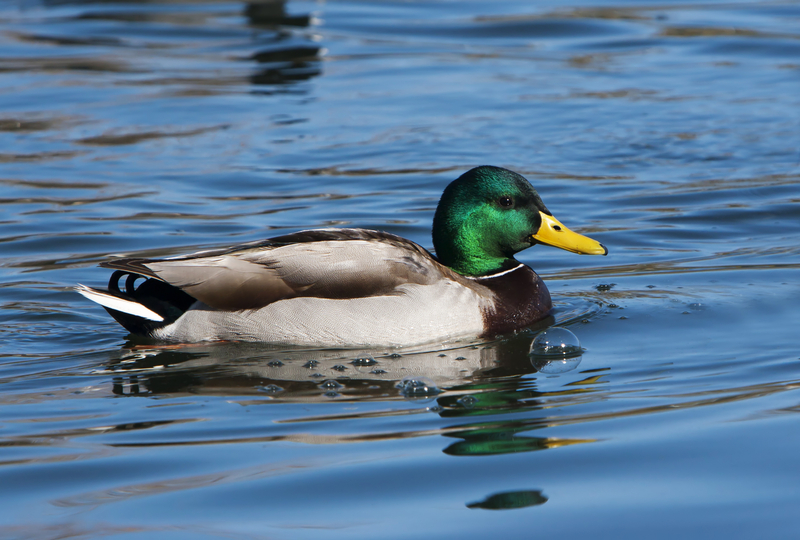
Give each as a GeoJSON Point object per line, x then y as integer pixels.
{"type": "Point", "coordinates": [510, 500]}
{"type": "Point", "coordinates": [496, 440]}
{"type": "Point", "coordinates": [463, 383]}
{"type": "Point", "coordinates": [305, 375]}
{"type": "Point", "coordinates": [285, 53]}
{"type": "Point", "coordinates": [284, 65]}
{"type": "Point", "coordinates": [272, 13]}
{"type": "Point", "coordinates": [481, 386]}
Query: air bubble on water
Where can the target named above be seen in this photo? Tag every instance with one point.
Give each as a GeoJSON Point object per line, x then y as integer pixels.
{"type": "Point", "coordinates": [311, 364]}
{"type": "Point", "coordinates": [364, 361]}
{"type": "Point", "coordinates": [378, 371]}
{"type": "Point", "coordinates": [339, 367]}
{"type": "Point", "coordinates": [271, 389]}
{"type": "Point", "coordinates": [416, 386]}
{"type": "Point", "coordinates": [556, 342]}
{"type": "Point", "coordinates": [556, 350]}
{"type": "Point", "coordinates": [274, 363]}
{"type": "Point", "coordinates": [467, 401]}
{"type": "Point", "coordinates": [330, 384]}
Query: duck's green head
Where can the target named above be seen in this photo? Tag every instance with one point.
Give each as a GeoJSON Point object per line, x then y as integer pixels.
{"type": "Point", "coordinates": [488, 214]}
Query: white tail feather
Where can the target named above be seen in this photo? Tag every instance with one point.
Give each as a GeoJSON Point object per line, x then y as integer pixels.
{"type": "Point", "coordinates": [119, 304]}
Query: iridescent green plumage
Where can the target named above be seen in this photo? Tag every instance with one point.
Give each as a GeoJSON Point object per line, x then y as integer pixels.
{"type": "Point", "coordinates": [484, 217]}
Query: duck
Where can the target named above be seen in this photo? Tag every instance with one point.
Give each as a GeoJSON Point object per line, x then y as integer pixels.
{"type": "Point", "coordinates": [348, 287]}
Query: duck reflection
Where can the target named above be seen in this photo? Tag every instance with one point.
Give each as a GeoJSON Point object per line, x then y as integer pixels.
{"type": "Point", "coordinates": [471, 387]}
{"type": "Point", "coordinates": [282, 47]}
{"type": "Point", "coordinates": [310, 375]}
{"type": "Point", "coordinates": [474, 384]}
{"type": "Point", "coordinates": [272, 13]}
{"type": "Point", "coordinates": [282, 64]}
{"type": "Point", "coordinates": [510, 500]}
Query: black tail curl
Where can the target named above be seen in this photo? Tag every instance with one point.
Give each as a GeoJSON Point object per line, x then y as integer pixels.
{"type": "Point", "coordinates": [168, 301]}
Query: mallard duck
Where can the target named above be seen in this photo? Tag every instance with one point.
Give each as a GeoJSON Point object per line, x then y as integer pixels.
{"type": "Point", "coordinates": [356, 287]}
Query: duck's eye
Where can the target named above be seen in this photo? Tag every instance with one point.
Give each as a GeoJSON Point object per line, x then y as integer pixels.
{"type": "Point", "coordinates": [506, 201]}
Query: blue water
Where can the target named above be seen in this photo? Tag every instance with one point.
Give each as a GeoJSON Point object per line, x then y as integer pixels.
{"type": "Point", "coordinates": [670, 132]}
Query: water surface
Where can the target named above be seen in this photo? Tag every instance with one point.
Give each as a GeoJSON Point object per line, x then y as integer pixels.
{"type": "Point", "coordinates": [669, 132]}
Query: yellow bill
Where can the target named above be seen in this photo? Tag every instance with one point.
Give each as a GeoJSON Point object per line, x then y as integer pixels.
{"type": "Point", "coordinates": [553, 233]}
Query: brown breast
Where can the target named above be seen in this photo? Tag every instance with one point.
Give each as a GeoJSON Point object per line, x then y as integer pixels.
{"type": "Point", "coordinates": [522, 299]}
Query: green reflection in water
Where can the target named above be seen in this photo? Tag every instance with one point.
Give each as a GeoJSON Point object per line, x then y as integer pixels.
{"type": "Point", "coordinates": [510, 500]}
{"type": "Point", "coordinates": [495, 442]}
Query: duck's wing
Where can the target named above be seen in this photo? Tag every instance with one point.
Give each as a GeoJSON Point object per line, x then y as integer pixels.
{"type": "Point", "coordinates": [326, 263]}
